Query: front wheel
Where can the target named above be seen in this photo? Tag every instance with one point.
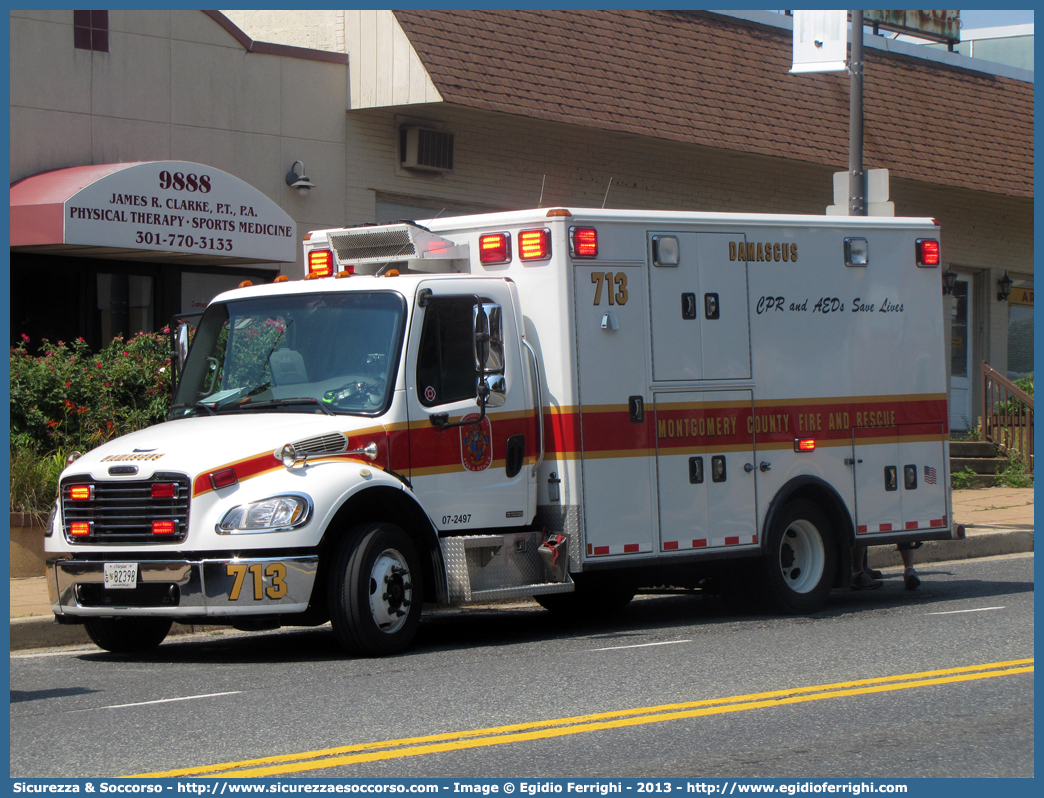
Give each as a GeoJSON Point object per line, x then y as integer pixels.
{"type": "Point", "coordinates": [798, 573]}
{"type": "Point", "coordinates": [127, 635]}
{"type": "Point", "coordinates": [375, 590]}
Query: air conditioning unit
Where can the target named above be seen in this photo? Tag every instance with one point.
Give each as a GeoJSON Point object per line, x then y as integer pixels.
{"type": "Point", "coordinates": [425, 149]}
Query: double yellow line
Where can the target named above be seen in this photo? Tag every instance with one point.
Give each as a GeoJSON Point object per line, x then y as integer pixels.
{"type": "Point", "coordinates": [545, 729]}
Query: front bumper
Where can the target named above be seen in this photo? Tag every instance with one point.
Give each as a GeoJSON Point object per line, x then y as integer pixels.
{"type": "Point", "coordinates": [185, 588]}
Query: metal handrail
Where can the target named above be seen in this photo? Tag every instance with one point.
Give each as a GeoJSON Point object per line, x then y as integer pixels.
{"type": "Point", "coordinates": [1007, 415]}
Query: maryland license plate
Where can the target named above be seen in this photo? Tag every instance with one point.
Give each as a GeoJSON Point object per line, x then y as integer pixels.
{"type": "Point", "coordinates": [121, 575]}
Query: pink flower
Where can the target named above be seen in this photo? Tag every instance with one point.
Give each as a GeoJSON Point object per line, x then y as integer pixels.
{"type": "Point", "coordinates": [68, 384]}
{"type": "Point", "coordinates": [25, 337]}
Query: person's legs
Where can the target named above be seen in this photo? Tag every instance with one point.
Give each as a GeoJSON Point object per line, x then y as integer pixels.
{"type": "Point", "coordinates": [911, 580]}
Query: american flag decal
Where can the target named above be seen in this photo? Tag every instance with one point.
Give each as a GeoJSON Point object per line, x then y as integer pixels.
{"type": "Point", "coordinates": [929, 475]}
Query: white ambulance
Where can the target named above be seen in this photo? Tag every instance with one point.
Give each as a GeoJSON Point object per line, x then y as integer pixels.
{"type": "Point", "coordinates": [568, 404]}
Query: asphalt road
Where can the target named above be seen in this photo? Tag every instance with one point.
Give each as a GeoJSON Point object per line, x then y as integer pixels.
{"type": "Point", "coordinates": [680, 685]}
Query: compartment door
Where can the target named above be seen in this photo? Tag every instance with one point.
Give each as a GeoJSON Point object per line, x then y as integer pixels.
{"type": "Point", "coordinates": [700, 313]}
{"type": "Point", "coordinates": [616, 427]}
{"type": "Point", "coordinates": [706, 496]}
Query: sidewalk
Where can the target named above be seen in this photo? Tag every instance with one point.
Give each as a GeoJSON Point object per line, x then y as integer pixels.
{"type": "Point", "coordinates": [997, 521]}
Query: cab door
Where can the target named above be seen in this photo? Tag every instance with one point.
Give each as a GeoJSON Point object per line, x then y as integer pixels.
{"type": "Point", "coordinates": [474, 474]}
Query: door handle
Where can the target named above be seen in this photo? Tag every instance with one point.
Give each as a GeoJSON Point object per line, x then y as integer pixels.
{"type": "Point", "coordinates": [765, 466]}
{"type": "Point", "coordinates": [748, 467]}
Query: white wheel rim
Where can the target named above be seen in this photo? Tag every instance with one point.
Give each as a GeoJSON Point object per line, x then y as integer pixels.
{"type": "Point", "coordinates": [801, 557]}
{"type": "Point", "coordinates": [391, 591]}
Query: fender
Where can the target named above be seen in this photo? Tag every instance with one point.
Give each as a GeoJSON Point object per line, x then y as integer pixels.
{"type": "Point", "coordinates": [392, 501]}
{"type": "Point", "coordinates": [824, 494]}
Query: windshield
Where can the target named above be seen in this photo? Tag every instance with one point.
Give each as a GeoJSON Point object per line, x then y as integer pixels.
{"type": "Point", "coordinates": [332, 352]}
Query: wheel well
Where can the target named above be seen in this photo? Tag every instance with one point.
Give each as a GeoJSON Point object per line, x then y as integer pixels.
{"type": "Point", "coordinates": [392, 506]}
{"type": "Point", "coordinates": [827, 499]}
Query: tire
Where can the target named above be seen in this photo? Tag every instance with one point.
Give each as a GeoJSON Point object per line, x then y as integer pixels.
{"type": "Point", "coordinates": [594, 597]}
{"type": "Point", "coordinates": [127, 635]}
{"type": "Point", "coordinates": [798, 573]}
{"type": "Point", "coordinates": [375, 591]}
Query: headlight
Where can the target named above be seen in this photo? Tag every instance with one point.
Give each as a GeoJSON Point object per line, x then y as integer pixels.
{"type": "Point", "coordinates": [268, 515]}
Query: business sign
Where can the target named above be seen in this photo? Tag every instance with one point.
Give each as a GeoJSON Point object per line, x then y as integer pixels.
{"type": "Point", "coordinates": [940, 26]}
{"type": "Point", "coordinates": [178, 206]}
{"type": "Point", "coordinates": [1021, 296]}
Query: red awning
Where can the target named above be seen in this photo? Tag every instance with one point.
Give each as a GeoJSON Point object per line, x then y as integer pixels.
{"type": "Point", "coordinates": [38, 202]}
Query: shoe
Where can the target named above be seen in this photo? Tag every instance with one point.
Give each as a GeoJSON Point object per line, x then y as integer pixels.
{"type": "Point", "coordinates": [863, 581]}
{"type": "Point", "coordinates": [872, 573]}
{"type": "Point", "coordinates": [911, 580]}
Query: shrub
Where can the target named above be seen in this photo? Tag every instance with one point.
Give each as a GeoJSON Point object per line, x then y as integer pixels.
{"type": "Point", "coordinates": [68, 398]}
{"type": "Point", "coordinates": [1014, 473]}
{"type": "Point", "coordinates": [34, 481]}
{"type": "Point", "coordinates": [962, 479]}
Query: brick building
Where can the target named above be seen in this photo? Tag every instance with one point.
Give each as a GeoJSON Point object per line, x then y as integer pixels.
{"type": "Point", "coordinates": [645, 109]}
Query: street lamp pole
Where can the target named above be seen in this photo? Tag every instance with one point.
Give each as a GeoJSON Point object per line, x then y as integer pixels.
{"type": "Point", "coordinates": [856, 176]}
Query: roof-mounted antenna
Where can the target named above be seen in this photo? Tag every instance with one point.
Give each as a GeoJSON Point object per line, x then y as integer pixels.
{"type": "Point", "coordinates": [540, 202]}
{"type": "Point", "coordinates": [607, 192]}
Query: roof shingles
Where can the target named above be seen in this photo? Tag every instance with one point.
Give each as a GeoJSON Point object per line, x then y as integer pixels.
{"type": "Point", "coordinates": [703, 79]}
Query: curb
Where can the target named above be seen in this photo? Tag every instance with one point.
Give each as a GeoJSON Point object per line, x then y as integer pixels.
{"type": "Point", "coordinates": [977, 544]}
{"type": "Point", "coordinates": [40, 631]}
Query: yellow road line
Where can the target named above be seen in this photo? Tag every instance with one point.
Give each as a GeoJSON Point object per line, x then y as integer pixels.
{"type": "Point", "coordinates": [539, 730]}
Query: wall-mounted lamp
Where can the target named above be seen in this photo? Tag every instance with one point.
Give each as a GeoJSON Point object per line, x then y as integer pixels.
{"type": "Point", "coordinates": [296, 178]}
{"type": "Point", "coordinates": [1005, 284]}
{"type": "Point", "coordinates": [949, 279]}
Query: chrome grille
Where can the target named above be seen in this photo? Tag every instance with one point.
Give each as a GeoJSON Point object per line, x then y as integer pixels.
{"type": "Point", "coordinates": [323, 444]}
{"type": "Point", "coordinates": [122, 511]}
{"type": "Point", "coordinates": [373, 244]}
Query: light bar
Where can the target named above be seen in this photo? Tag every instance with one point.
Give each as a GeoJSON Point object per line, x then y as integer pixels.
{"type": "Point", "coordinates": [534, 244]}
{"type": "Point", "coordinates": [927, 252]}
{"type": "Point", "coordinates": [583, 242]}
{"type": "Point", "coordinates": [81, 493]}
{"type": "Point", "coordinates": [320, 262]}
{"type": "Point", "coordinates": [495, 248]}
{"type": "Point", "coordinates": [804, 444]}
{"type": "Point", "coordinates": [165, 527]}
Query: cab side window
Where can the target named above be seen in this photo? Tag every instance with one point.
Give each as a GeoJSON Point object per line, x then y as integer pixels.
{"type": "Point", "coordinates": [446, 360]}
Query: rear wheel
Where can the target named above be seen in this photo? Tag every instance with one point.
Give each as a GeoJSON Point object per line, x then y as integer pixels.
{"type": "Point", "coordinates": [127, 635]}
{"type": "Point", "coordinates": [375, 590]}
{"type": "Point", "coordinates": [798, 573]}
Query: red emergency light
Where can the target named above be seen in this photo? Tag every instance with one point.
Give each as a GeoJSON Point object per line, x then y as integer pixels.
{"type": "Point", "coordinates": [164, 527]}
{"type": "Point", "coordinates": [223, 478]}
{"type": "Point", "coordinates": [164, 490]}
{"type": "Point", "coordinates": [534, 244]}
{"type": "Point", "coordinates": [81, 493]}
{"type": "Point", "coordinates": [927, 252]}
{"type": "Point", "coordinates": [804, 444]}
{"type": "Point", "coordinates": [80, 529]}
{"type": "Point", "coordinates": [583, 241]}
{"type": "Point", "coordinates": [495, 248]}
{"type": "Point", "coordinates": [320, 263]}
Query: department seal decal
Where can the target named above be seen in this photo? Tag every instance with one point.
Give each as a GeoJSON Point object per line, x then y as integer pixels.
{"type": "Point", "coordinates": [476, 443]}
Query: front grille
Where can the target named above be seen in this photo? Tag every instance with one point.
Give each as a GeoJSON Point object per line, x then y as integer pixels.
{"type": "Point", "coordinates": [122, 511]}
{"type": "Point", "coordinates": [373, 244]}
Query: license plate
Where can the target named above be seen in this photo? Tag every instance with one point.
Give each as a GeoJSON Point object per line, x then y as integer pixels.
{"type": "Point", "coordinates": [121, 575]}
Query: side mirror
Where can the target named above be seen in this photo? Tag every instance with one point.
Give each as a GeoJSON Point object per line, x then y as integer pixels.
{"type": "Point", "coordinates": [489, 338]}
{"type": "Point", "coordinates": [181, 347]}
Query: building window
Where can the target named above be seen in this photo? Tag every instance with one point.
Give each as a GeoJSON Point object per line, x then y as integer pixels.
{"type": "Point", "coordinates": [1020, 330]}
{"type": "Point", "coordinates": [91, 30]}
{"type": "Point", "coordinates": [125, 305]}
